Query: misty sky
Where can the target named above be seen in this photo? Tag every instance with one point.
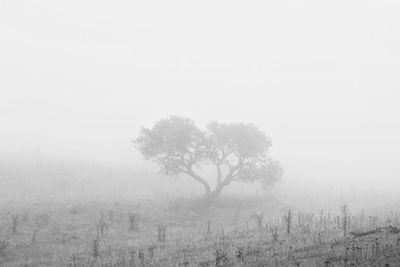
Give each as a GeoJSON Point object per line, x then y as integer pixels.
{"type": "Point", "coordinates": [321, 78]}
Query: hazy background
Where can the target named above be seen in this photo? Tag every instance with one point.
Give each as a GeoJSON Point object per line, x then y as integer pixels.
{"type": "Point", "coordinates": [79, 78]}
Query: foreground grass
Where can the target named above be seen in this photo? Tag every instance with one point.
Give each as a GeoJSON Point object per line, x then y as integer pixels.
{"type": "Point", "coordinates": [101, 234]}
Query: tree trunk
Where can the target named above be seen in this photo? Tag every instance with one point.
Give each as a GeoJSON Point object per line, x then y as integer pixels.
{"type": "Point", "coordinates": [211, 196]}
{"type": "Point", "coordinates": [203, 182]}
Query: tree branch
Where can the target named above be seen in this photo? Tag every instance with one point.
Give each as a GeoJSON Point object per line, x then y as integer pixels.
{"type": "Point", "coordinates": [195, 176]}
{"type": "Point", "coordinates": [219, 174]}
{"type": "Point", "coordinates": [228, 178]}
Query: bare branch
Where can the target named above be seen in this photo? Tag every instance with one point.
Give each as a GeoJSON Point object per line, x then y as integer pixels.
{"type": "Point", "coordinates": [199, 179]}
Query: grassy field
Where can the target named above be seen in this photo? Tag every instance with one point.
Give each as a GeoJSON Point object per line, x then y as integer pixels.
{"type": "Point", "coordinates": [170, 233]}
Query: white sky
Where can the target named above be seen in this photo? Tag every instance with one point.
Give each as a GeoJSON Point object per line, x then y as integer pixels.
{"type": "Point", "coordinates": [78, 78]}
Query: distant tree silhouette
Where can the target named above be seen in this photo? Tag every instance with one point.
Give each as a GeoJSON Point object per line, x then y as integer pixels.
{"type": "Point", "coordinates": [238, 151]}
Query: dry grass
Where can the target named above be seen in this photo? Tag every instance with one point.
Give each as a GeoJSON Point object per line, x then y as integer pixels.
{"type": "Point", "coordinates": [95, 234]}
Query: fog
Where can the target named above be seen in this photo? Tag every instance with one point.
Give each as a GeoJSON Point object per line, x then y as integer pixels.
{"type": "Point", "coordinates": [78, 79]}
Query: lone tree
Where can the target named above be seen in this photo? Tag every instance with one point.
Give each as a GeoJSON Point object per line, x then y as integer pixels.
{"type": "Point", "coordinates": [238, 152]}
